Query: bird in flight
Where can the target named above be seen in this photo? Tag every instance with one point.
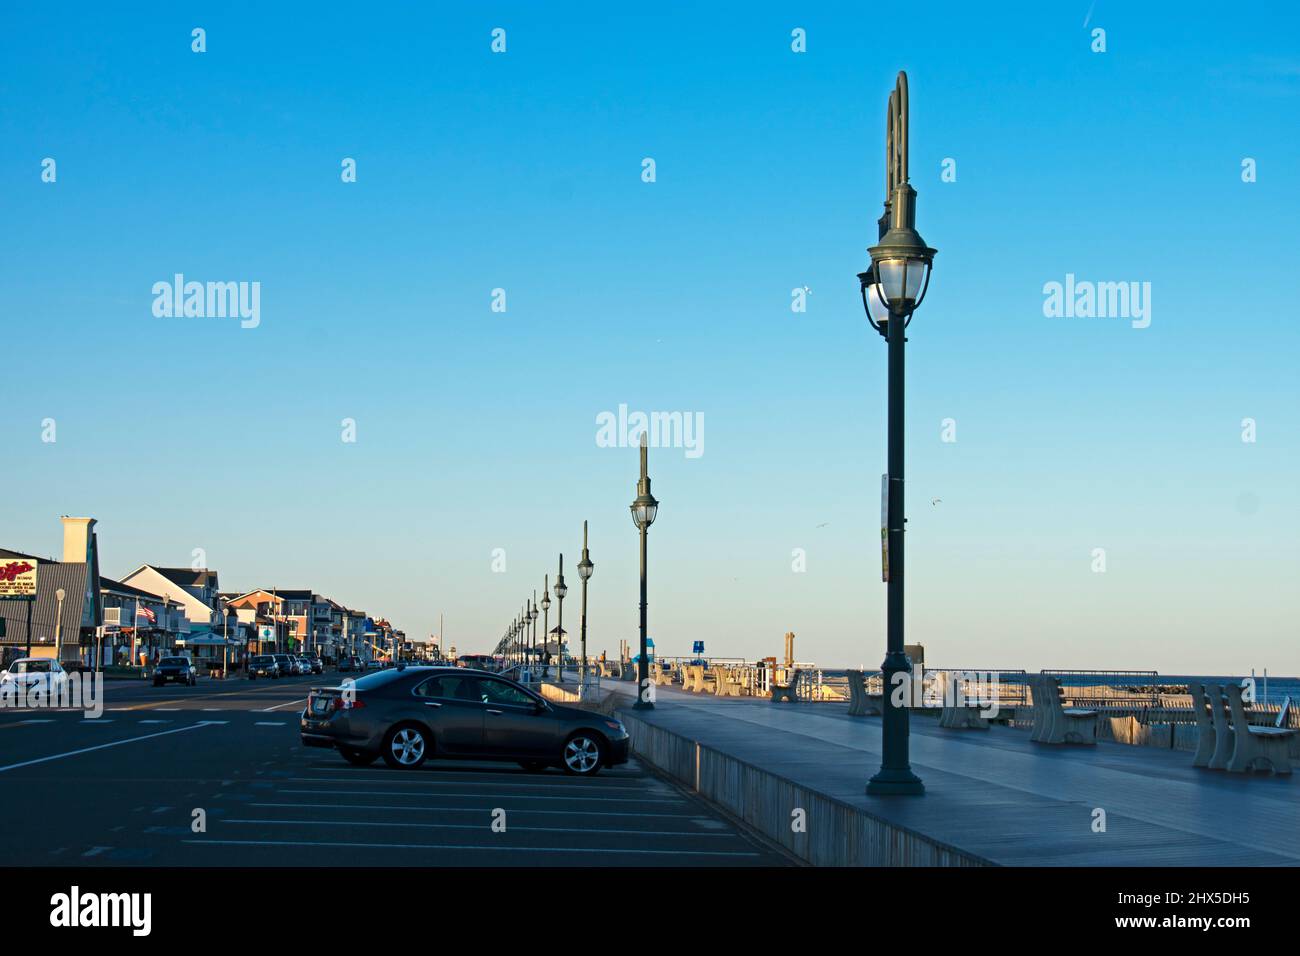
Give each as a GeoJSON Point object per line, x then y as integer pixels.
{"type": "Point", "coordinates": [935, 501]}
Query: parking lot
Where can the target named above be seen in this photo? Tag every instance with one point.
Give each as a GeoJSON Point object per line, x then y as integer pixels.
{"type": "Point", "coordinates": [215, 775]}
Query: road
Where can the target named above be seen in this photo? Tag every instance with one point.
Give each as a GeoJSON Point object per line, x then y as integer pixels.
{"type": "Point", "coordinates": [133, 786]}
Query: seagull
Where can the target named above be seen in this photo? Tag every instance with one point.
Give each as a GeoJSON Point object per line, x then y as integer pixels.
{"type": "Point", "coordinates": [823, 524]}
{"type": "Point", "coordinates": [935, 501]}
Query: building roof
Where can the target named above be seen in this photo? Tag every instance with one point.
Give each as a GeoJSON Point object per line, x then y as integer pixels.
{"type": "Point", "coordinates": [188, 577]}
{"type": "Point", "coordinates": [130, 590]}
{"type": "Point", "coordinates": [52, 575]}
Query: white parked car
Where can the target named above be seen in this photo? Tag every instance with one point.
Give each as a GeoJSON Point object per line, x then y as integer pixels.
{"type": "Point", "coordinates": [34, 673]}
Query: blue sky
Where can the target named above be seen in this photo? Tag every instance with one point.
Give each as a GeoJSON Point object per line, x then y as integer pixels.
{"type": "Point", "coordinates": [476, 430]}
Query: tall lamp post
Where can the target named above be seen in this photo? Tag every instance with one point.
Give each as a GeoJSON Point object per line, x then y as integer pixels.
{"type": "Point", "coordinates": [546, 610]}
{"type": "Point", "coordinates": [644, 509]}
{"type": "Point", "coordinates": [892, 288]}
{"type": "Point", "coordinates": [585, 567]}
{"type": "Point", "coordinates": [560, 590]}
{"type": "Point", "coordinates": [532, 620]}
{"type": "Point", "coordinates": [58, 626]}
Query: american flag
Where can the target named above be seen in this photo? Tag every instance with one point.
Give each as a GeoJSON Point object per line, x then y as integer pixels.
{"type": "Point", "coordinates": [144, 612]}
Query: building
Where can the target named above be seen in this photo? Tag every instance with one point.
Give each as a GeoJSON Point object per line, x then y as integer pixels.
{"type": "Point", "coordinates": [71, 624]}
{"type": "Point", "coordinates": [138, 626]}
{"type": "Point", "coordinates": [195, 588]}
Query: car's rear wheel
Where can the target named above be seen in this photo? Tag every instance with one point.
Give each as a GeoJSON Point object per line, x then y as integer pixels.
{"type": "Point", "coordinates": [583, 755]}
{"type": "Point", "coordinates": [358, 758]}
{"type": "Point", "coordinates": [406, 747]}
{"type": "Point", "coordinates": [533, 766]}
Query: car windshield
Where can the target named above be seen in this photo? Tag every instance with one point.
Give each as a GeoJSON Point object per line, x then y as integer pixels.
{"type": "Point", "coordinates": [175, 660]}
{"type": "Point", "coordinates": [263, 660]}
{"type": "Point", "coordinates": [32, 667]}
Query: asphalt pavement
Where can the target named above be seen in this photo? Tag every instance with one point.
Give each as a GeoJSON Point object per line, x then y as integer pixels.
{"type": "Point", "coordinates": [215, 775]}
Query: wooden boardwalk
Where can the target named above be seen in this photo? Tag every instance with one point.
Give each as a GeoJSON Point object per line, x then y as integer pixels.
{"type": "Point", "coordinates": [995, 795]}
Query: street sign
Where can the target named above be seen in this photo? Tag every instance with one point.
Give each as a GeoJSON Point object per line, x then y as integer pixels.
{"type": "Point", "coordinates": [697, 647]}
{"type": "Point", "coordinates": [18, 579]}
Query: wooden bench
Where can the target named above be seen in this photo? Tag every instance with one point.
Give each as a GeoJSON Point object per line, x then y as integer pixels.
{"type": "Point", "coordinates": [1255, 747]}
{"type": "Point", "coordinates": [1054, 723]}
{"type": "Point", "coordinates": [663, 675]}
{"type": "Point", "coordinates": [726, 683]}
{"type": "Point", "coordinates": [960, 714]}
{"type": "Point", "coordinates": [788, 691]}
{"type": "Point", "coordinates": [1206, 734]}
{"type": "Point", "coordinates": [857, 694]}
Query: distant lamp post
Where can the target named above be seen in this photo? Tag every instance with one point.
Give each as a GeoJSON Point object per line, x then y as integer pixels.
{"type": "Point", "coordinates": [892, 288]}
{"type": "Point", "coordinates": [560, 590]}
{"type": "Point", "coordinates": [60, 594]}
{"type": "Point", "coordinates": [546, 610]}
{"type": "Point", "coordinates": [585, 567]}
{"type": "Point", "coordinates": [532, 621]}
{"type": "Point", "coordinates": [644, 510]}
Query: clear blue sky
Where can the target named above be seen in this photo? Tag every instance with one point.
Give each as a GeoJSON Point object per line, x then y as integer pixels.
{"type": "Point", "coordinates": [476, 430]}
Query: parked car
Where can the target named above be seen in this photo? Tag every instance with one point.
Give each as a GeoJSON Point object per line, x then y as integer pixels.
{"type": "Point", "coordinates": [179, 670]}
{"type": "Point", "coordinates": [288, 666]}
{"type": "Point", "coordinates": [263, 665]}
{"type": "Point", "coordinates": [407, 714]}
{"type": "Point", "coordinates": [33, 674]}
{"type": "Point", "coordinates": [316, 665]}
{"type": "Point", "coordinates": [374, 665]}
{"type": "Point", "coordinates": [347, 664]}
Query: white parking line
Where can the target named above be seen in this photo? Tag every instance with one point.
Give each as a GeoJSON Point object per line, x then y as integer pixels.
{"type": "Point", "coordinates": [552, 784]}
{"type": "Point", "coordinates": [270, 723]}
{"type": "Point", "coordinates": [522, 796]}
{"type": "Point", "coordinates": [266, 710]}
{"type": "Point", "coordinates": [115, 743]}
{"type": "Point", "coordinates": [372, 806]}
{"type": "Point", "coordinates": [155, 721]}
{"type": "Point", "coordinates": [452, 846]}
{"type": "Point", "coordinates": [477, 826]}
{"type": "Point", "coordinates": [43, 721]}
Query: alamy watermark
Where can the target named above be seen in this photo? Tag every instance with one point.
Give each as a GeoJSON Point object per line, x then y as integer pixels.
{"type": "Point", "coordinates": [60, 691]}
{"type": "Point", "coordinates": [663, 430]}
{"type": "Point", "coordinates": [215, 300]}
{"type": "Point", "coordinates": [1098, 300]}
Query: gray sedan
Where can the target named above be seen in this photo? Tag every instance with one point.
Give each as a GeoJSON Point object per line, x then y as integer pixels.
{"type": "Point", "coordinates": [408, 714]}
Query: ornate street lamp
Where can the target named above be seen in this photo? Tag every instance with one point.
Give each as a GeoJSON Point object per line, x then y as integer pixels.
{"type": "Point", "coordinates": [560, 590]}
{"type": "Point", "coordinates": [644, 510]}
{"type": "Point", "coordinates": [546, 609]}
{"type": "Point", "coordinates": [532, 620]}
{"type": "Point", "coordinates": [585, 567]}
{"type": "Point", "coordinates": [892, 288]}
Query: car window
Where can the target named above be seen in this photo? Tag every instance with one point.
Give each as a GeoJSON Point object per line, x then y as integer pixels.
{"type": "Point", "coordinates": [499, 692]}
{"type": "Point", "coordinates": [450, 687]}
{"type": "Point", "coordinates": [36, 667]}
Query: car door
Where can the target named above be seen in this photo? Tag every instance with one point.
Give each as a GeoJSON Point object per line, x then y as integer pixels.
{"type": "Point", "coordinates": [514, 723]}
{"type": "Point", "coordinates": [452, 706]}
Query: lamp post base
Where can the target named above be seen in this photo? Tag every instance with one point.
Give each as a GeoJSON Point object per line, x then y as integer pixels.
{"type": "Point", "coordinates": [643, 705]}
{"type": "Point", "coordinates": [901, 783]}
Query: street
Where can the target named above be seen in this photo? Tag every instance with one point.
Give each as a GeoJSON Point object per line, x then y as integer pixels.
{"type": "Point", "coordinates": [215, 775]}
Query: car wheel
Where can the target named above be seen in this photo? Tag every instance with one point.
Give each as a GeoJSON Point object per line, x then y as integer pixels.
{"type": "Point", "coordinates": [405, 747]}
{"type": "Point", "coordinates": [583, 755]}
{"type": "Point", "coordinates": [533, 766]}
{"type": "Point", "coordinates": [358, 758]}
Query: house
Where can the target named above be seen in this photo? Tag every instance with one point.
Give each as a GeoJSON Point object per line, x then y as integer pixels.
{"type": "Point", "coordinates": [137, 623]}
{"type": "Point", "coordinates": [262, 612]}
{"type": "Point", "coordinates": [195, 588]}
{"type": "Point", "coordinates": [69, 624]}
